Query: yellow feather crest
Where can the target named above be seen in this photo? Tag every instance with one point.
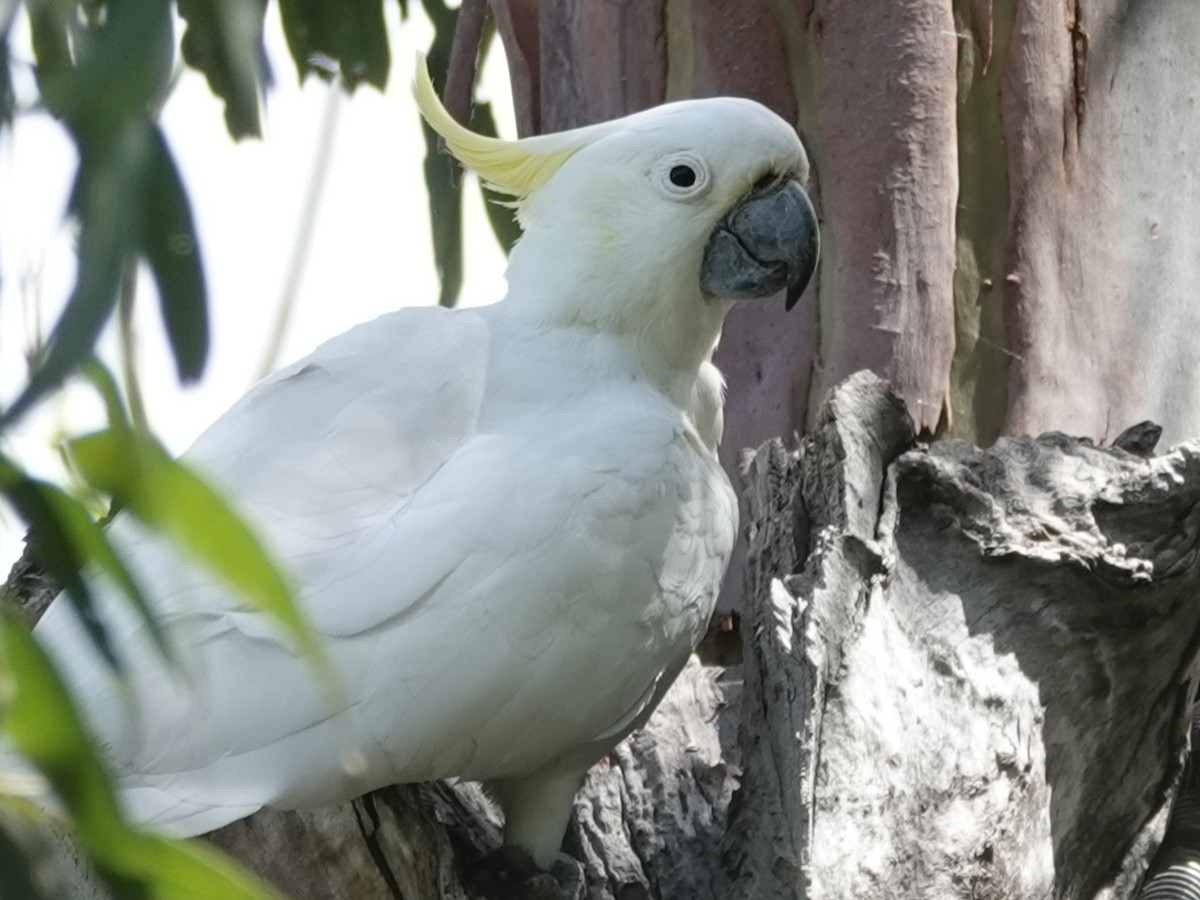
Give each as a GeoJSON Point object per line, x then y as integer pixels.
{"type": "Point", "coordinates": [517, 168]}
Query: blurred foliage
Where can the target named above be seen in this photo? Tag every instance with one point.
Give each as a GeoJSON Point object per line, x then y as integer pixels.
{"type": "Point", "coordinates": [168, 497]}
{"type": "Point", "coordinates": [103, 69]}
{"type": "Point", "coordinates": [442, 174]}
{"type": "Point", "coordinates": [224, 40]}
{"type": "Point", "coordinates": [41, 723]}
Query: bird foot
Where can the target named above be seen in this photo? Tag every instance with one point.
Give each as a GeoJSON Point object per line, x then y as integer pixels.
{"type": "Point", "coordinates": [510, 873]}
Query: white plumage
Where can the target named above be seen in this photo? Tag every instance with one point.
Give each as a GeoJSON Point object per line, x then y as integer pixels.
{"type": "Point", "coordinates": [508, 525]}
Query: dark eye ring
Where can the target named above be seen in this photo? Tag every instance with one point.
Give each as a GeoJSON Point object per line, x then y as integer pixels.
{"type": "Point", "coordinates": [682, 176]}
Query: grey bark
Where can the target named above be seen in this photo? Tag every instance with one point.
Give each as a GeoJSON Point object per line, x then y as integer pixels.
{"type": "Point", "coordinates": [967, 674]}
{"type": "Point", "coordinates": [977, 684]}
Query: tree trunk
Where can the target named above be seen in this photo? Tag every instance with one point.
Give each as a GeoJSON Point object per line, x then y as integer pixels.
{"type": "Point", "coordinates": [1005, 187]}
{"type": "Point", "coordinates": [978, 682]}
{"type": "Point", "coordinates": [966, 675]}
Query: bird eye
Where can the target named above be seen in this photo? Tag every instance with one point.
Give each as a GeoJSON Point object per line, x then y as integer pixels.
{"type": "Point", "coordinates": [682, 176]}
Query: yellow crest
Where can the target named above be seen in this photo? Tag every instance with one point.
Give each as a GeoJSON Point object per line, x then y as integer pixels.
{"type": "Point", "coordinates": [517, 168]}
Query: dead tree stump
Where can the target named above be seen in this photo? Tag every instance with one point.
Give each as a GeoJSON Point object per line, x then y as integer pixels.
{"type": "Point", "coordinates": [969, 677]}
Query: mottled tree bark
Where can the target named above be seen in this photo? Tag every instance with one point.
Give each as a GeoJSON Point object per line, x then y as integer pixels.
{"type": "Point", "coordinates": [1006, 190]}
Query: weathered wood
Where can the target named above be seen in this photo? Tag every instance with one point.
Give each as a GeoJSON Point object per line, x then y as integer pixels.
{"type": "Point", "coordinates": [977, 682]}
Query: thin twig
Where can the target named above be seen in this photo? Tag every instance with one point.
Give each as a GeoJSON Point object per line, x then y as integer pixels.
{"type": "Point", "coordinates": [463, 66]}
{"type": "Point", "coordinates": [464, 59]}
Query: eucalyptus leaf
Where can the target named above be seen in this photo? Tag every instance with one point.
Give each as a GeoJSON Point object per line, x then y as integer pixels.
{"type": "Point", "coordinates": [48, 26]}
{"type": "Point", "coordinates": [188, 870]}
{"type": "Point", "coordinates": [171, 499]}
{"type": "Point", "coordinates": [108, 389]}
{"type": "Point", "coordinates": [104, 200]}
{"type": "Point", "coordinates": [63, 539]}
{"type": "Point", "coordinates": [224, 40]}
{"type": "Point", "coordinates": [348, 38]}
{"type": "Point", "coordinates": [54, 540]}
{"type": "Point", "coordinates": [39, 718]}
{"type": "Point", "coordinates": [442, 181]}
{"type": "Point", "coordinates": [169, 243]}
{"type": "Point", "coordinates": [104, 91]}
{"type": "Point", "coordinates": [7, 99]}
{"type": "Point", "coordinates": [445, 216]}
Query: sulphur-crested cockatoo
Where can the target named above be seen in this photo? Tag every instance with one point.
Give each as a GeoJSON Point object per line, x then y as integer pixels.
{"type": "Point", "coordinates": [508, 525]}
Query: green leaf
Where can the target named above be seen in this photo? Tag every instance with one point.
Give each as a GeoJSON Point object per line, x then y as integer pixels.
{"type": "Point", "coordinates": [443, 19]}
{"type": "Point", "coordinates": [54, 546]}
{"type": "Point", "coordinates": [48, 24]}
{"type": "Point", "coordinates": [350, 36]}
{"type": "Point", "coordinates": [125, 66]}
{"type": "Point", "coordinates": [16, 875]}
{"type": "Point", "coordinates": [104, 200]}
{"type": "Point", "coordinates": [188, 870]}
{"type": "Point", "coordinates": [8, 101]}
{"type": "Point", "coordinates": [106, 386]}
{"type": "Point", "coordinates": [104, 100]}
{"type": "Point", "coordinates": [41, 721]}
{"type": "Point", "coordinates": [63, 538]}
{"type": "Point", "coordinates": [170, 498]}
{"type": "Point", "coordinates": [169, 243]}
{"type": "Point", "coordinates": [224, 40]}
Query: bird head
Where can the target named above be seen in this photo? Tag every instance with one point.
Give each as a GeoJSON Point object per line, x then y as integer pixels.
{"type": "Point", "coordinates": [650, 226]}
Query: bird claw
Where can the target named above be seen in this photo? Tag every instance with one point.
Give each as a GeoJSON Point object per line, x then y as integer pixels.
{"type": "Point", "coordinates": [509, 873]}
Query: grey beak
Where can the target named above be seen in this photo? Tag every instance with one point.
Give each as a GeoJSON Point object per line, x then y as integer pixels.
{"type": "Point", "coordinates": [767, 242]}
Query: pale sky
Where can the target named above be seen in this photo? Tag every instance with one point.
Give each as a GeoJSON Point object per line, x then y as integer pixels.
{"type": "Point", "coordinates": [370, 250]}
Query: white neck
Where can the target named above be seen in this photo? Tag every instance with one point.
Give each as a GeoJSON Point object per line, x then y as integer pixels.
{"type": "Point", "coordinates": [669, 332]}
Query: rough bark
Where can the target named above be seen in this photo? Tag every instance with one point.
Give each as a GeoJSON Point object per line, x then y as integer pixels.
{"type": "Point", "coordinates": [977, 682]}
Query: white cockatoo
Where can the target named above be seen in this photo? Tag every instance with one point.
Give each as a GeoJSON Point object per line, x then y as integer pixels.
{"type": "Point", "coordinates": [507, 525]}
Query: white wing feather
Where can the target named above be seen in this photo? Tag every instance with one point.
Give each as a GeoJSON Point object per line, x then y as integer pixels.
{"type": "Point", "coordinates": [507, 569]}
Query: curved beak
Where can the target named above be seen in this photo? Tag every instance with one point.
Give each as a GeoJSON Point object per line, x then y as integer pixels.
{"type": "Point", "coordinates": [767, 242]}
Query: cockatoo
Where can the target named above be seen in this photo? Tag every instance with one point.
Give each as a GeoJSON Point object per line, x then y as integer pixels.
{"type": "Point", "coordinates": [507, 525]}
